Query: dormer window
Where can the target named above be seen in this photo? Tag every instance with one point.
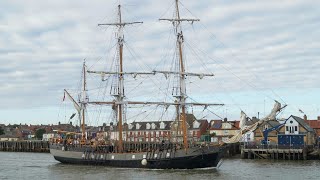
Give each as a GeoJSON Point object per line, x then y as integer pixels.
{"type": "Point", "coordinates": [130, 126]}
{"type": "Point", "coordinates": [153, 126]}
{"type": "Point", "coordinates": [196, 124]}
{"type": "Point", "coordinates": [162, 125]}
{"type": "Point", "coordinates": [148, 126]}
{"type": "Point", "coordinates": [138, 126]}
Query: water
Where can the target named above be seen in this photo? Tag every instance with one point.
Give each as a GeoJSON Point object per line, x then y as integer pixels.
{"type": "Point", "coordinates": [43, 166]}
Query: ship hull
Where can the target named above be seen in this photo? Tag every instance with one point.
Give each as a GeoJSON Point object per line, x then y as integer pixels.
{"type": "Point", "coordinates": [195, 158]}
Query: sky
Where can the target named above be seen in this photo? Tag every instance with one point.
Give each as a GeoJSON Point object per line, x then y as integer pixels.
{"type": "Point", "coordinates": [259, 51]}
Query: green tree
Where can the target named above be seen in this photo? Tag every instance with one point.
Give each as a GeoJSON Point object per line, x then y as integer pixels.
{"type": "Point", "coordinates": [39, 133]}
{"type": "Point", "coordinates": [1, 131]}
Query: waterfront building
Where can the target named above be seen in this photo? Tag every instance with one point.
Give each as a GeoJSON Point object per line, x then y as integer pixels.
{"type": "Point", "coordinates": [293, 131]}
{"type": "Point", "coordinates": [221, 131]}
{"type": "Point", "coordinates": [315, 125]}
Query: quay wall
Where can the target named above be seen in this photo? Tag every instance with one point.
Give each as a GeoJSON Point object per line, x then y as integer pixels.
{"type": "Point", "coordinates": [25, 146]}
{"type": "Point", "coordinates": [280, 152]}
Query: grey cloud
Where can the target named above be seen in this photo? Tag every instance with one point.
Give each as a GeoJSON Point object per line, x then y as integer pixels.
{"type": "Point", "coordinates": [268, 44]}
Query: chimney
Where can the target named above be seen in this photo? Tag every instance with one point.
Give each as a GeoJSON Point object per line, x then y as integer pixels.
{"type": "Point", "coordinates": [318, 118]}
{"type": "Point", "coordinates": [305, 117]}
{"type": "Point", "coordinates": [225, 119]}
{"type": "Point", "coordinates": [70, 123]}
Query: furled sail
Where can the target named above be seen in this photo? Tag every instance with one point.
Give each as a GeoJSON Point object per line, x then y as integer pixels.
{"type": "Point", "coordinates": [236, 138]}
{"type": "Point", "coordinates": [75, 104]}
{"type": "Point", "coordinates": [245, 129]}
{"type": "Point", "coordinates": [272, 116]}
{"type": "Point", "coordinates": [243, 120]}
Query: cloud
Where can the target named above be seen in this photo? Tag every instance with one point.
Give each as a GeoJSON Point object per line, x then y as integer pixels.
{"type": "Point", "coordinates": [248, 45]}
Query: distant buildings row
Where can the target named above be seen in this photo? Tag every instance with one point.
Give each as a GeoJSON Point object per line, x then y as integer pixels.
{"type": "Point", "coordinates": [291, 131]}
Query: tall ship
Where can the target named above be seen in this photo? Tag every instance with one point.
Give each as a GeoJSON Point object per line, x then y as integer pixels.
{"type": "Point", "coordinates": [165, 154]}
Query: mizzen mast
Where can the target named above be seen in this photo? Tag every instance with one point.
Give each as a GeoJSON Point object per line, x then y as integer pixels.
{"type": "Point", "coordinates": [84, 102]}
{"type": "Point", "coordinates": [118, 92]}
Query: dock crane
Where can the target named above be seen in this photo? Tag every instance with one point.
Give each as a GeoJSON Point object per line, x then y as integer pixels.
{"type": "Point", "coordinates": [266, 133]}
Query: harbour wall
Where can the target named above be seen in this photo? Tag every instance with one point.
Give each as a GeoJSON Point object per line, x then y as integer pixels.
{"type": "Point", "coordinates": [25, 146]}
{"type": "Point", "coordinates": [277, 152]}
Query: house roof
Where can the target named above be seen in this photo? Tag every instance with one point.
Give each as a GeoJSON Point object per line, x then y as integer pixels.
{"type": "Point", "coordinates": [237, 124]}
{"type": "Point", "coordinates": [251, 121]}
{"type": "Point", "coordinates": [203, 122]}
{"type": "Point", "coordinates": [190, 118]}
{"type": "Point", "coordinates": [215, 124]}
{"type": "Point", "coordinates": [302, 123]}
{"type": "Point", "coordinates": [315, 124]}
{"type": "Point", "coordinates": [273, 123]}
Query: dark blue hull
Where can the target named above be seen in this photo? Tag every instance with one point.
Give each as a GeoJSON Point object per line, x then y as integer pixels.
{"type": "Point", "coordinates": [189, 162]}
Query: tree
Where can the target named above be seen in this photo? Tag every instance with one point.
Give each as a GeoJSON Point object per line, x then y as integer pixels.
{"type": "Point", "coordinates": [1, 131]}
{"type": "Point", "coordinates": [213, 134]}
{"type": "Point", "coordinates": [39, 133]}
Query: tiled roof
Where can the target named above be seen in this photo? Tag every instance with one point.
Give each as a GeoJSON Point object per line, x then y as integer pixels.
{"type": "Point", "coordinates": [215, 124]}
{"type": "Point", "coordinates": [203, 122]}
{"type": "Point", "coordinates": [315, 124]}
{"type": "Point", "coordinates": [302, 123]}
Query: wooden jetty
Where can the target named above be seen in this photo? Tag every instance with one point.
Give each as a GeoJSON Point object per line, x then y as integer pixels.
{"type": "Point", "coordinates": [275, 152]}
{"type": "Point", "coordinates": [24, 146]}
{"type": "Point", "coordinates": [231, 150]}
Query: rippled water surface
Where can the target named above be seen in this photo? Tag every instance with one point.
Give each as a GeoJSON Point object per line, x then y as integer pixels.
{"type": "Point", "coordinates": [43, 166]}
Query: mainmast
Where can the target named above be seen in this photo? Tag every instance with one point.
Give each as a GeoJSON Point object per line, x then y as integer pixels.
{"type": "Point", "coordinates": [181, 96]}
{"type": "Point", "coordinates": [119, 93]}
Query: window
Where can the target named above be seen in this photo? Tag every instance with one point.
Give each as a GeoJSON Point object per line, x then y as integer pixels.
{"type": "Point", "coordinates": [162, 125]}
{"type": "Point", "coordinates": [225, 138]}
{"type": "Point", "coordinates": [248, 137]}
{"type": "Point", "coordinates": [214, 139]}
{"type": "Point", "coordinates": [296, 128]}
{"type": "Point", "coordinates": [287, 128]}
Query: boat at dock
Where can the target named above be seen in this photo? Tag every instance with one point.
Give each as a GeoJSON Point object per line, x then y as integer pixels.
{"type": "Point", "coordinates": [165, 154]}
